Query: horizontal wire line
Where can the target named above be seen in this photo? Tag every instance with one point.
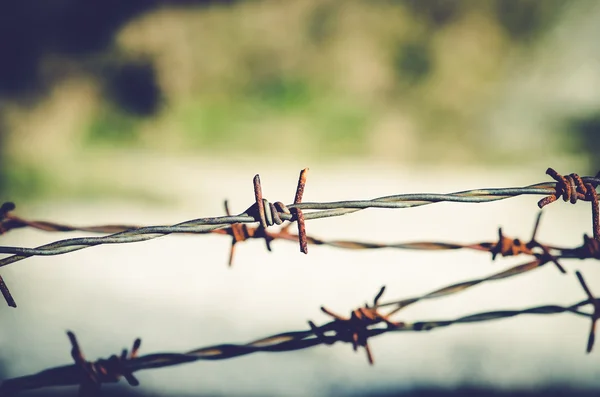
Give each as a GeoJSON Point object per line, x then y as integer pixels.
{"type": "Point", "coordinates": [363, 323]}
{"type": "Point", "coordinates": [327, 209]}
{"type": "Point", "coordinates": [282, 342]}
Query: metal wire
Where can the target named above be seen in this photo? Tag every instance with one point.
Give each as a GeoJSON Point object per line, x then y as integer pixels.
{"type": "Point", "coordinates": [571, 188]}
{"type": "Point", "coordinates": [363, 323]}
{"type": "Point", "coordinates": [504, 246]}
{"type": "Point", "coordinates": [327, 209]}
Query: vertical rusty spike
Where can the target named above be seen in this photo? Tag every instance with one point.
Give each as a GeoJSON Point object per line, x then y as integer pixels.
{"type": "Point", "coordinates": [301, 185]}
{"type": "Point", "coordinates": [595, 211]}
{"type": "Point", "coordinates": [301, 231]}
{"type": "Point", "coordinates": [298, 213]}
{"type": "Point", "coordinates": [259, 201]}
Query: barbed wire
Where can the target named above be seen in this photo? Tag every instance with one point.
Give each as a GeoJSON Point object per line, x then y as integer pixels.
{"type": "Point", "coordinates": [362, 324]}
{"type": "Point", "coordinates": [504, 246]}
{"type": "Point", "coordinates": [571, 188]}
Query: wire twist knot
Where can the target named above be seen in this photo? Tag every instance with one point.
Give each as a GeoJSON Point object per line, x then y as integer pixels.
{"type": "Point", "coordinates": [572, 188]}
{"type": "Point", "coordinates": [355, 329]}
{"type": "Point", "coordinates": [269, 214]}
{"type": "Point", "coordinates": [507, 246]}
{"type": "Point", "coordinates": [240, 232]}
{"type": "Point", "coordinates": [110, 370]}
{"type": "Point", "coordinates": [511, 247]}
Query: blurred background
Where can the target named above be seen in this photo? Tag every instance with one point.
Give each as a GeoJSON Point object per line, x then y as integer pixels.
{"type": "Point", "coordinates": [154, 111]}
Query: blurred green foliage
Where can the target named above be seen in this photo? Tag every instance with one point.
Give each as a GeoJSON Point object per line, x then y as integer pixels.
{"type": "Point", "coordinates": [413, 61]}
{"type": "Point", "coordinates": [113, 127]}
{"type": "Point", "coordinates": [389, 79]}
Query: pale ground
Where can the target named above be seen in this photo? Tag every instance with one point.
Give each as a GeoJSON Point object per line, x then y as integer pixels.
{"type": "Point", "coordinates": [177, 293]}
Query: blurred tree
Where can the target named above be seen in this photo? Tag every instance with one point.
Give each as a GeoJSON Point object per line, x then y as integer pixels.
{"type": "Point", "coordinates": [133, 88]}
{"type": "Point", "coordinates": [437, 12]}
{"type": "Point", "coordinates": [525, 19]}
{"type": "Point", "coordinates": [33, 29]}
{"type": "Point", "coordinates": [413, 61]}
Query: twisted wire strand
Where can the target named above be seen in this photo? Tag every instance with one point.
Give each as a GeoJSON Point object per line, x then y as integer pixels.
{"type": "Point", "coordinates": [504, 246]}
{"type": "Point", "coordinates": [326, 209]}
{"type": "Point", "coordinates": [364, 323]}
{"type": "Point", "coordinates": [571, 188]}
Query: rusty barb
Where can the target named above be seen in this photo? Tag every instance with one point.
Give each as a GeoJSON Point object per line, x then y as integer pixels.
{"type": "Point", "coordinates": [362, 324]}
{"type": "Point", "coordinates": [571, 187]}
{"type": "Point", "coordinates": [269, 214]}
{"type": "Point", "coordinates": [355, 329]}
{"type": "Point", "coordinates": [93, 374]}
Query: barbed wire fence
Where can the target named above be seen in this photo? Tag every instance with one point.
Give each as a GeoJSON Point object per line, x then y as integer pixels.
{"type": "Point", "coordinates": [363, 323]}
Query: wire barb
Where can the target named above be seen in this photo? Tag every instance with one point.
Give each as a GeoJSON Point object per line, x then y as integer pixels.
{"type": "Point", "coordinates": [595, 316]}
{"type": "Point", "coordinates": [572, 188]}
{"type": "Point", "coordinates": [266, 214]}
{"type": "Point", "coordinates": [241, 232]}
{"type": "Point", "coordinates": [355, 329]}
{"type": "Point", "coordinates": [297, 212]}
{"type": "Point", "coordinates": [363, 323]}
{"type": "Point", "coordinates": [513, 247]}
{"type": "Point", "coordinates": [93, 374]}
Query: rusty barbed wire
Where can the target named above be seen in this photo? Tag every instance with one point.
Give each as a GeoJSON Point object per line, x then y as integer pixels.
{"type": "Point", "coordinates": [363, 324]}
{"type": "Point", "coordinates": [504, 246]}
{"type": "Point", "coordinates": [571, 188]}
